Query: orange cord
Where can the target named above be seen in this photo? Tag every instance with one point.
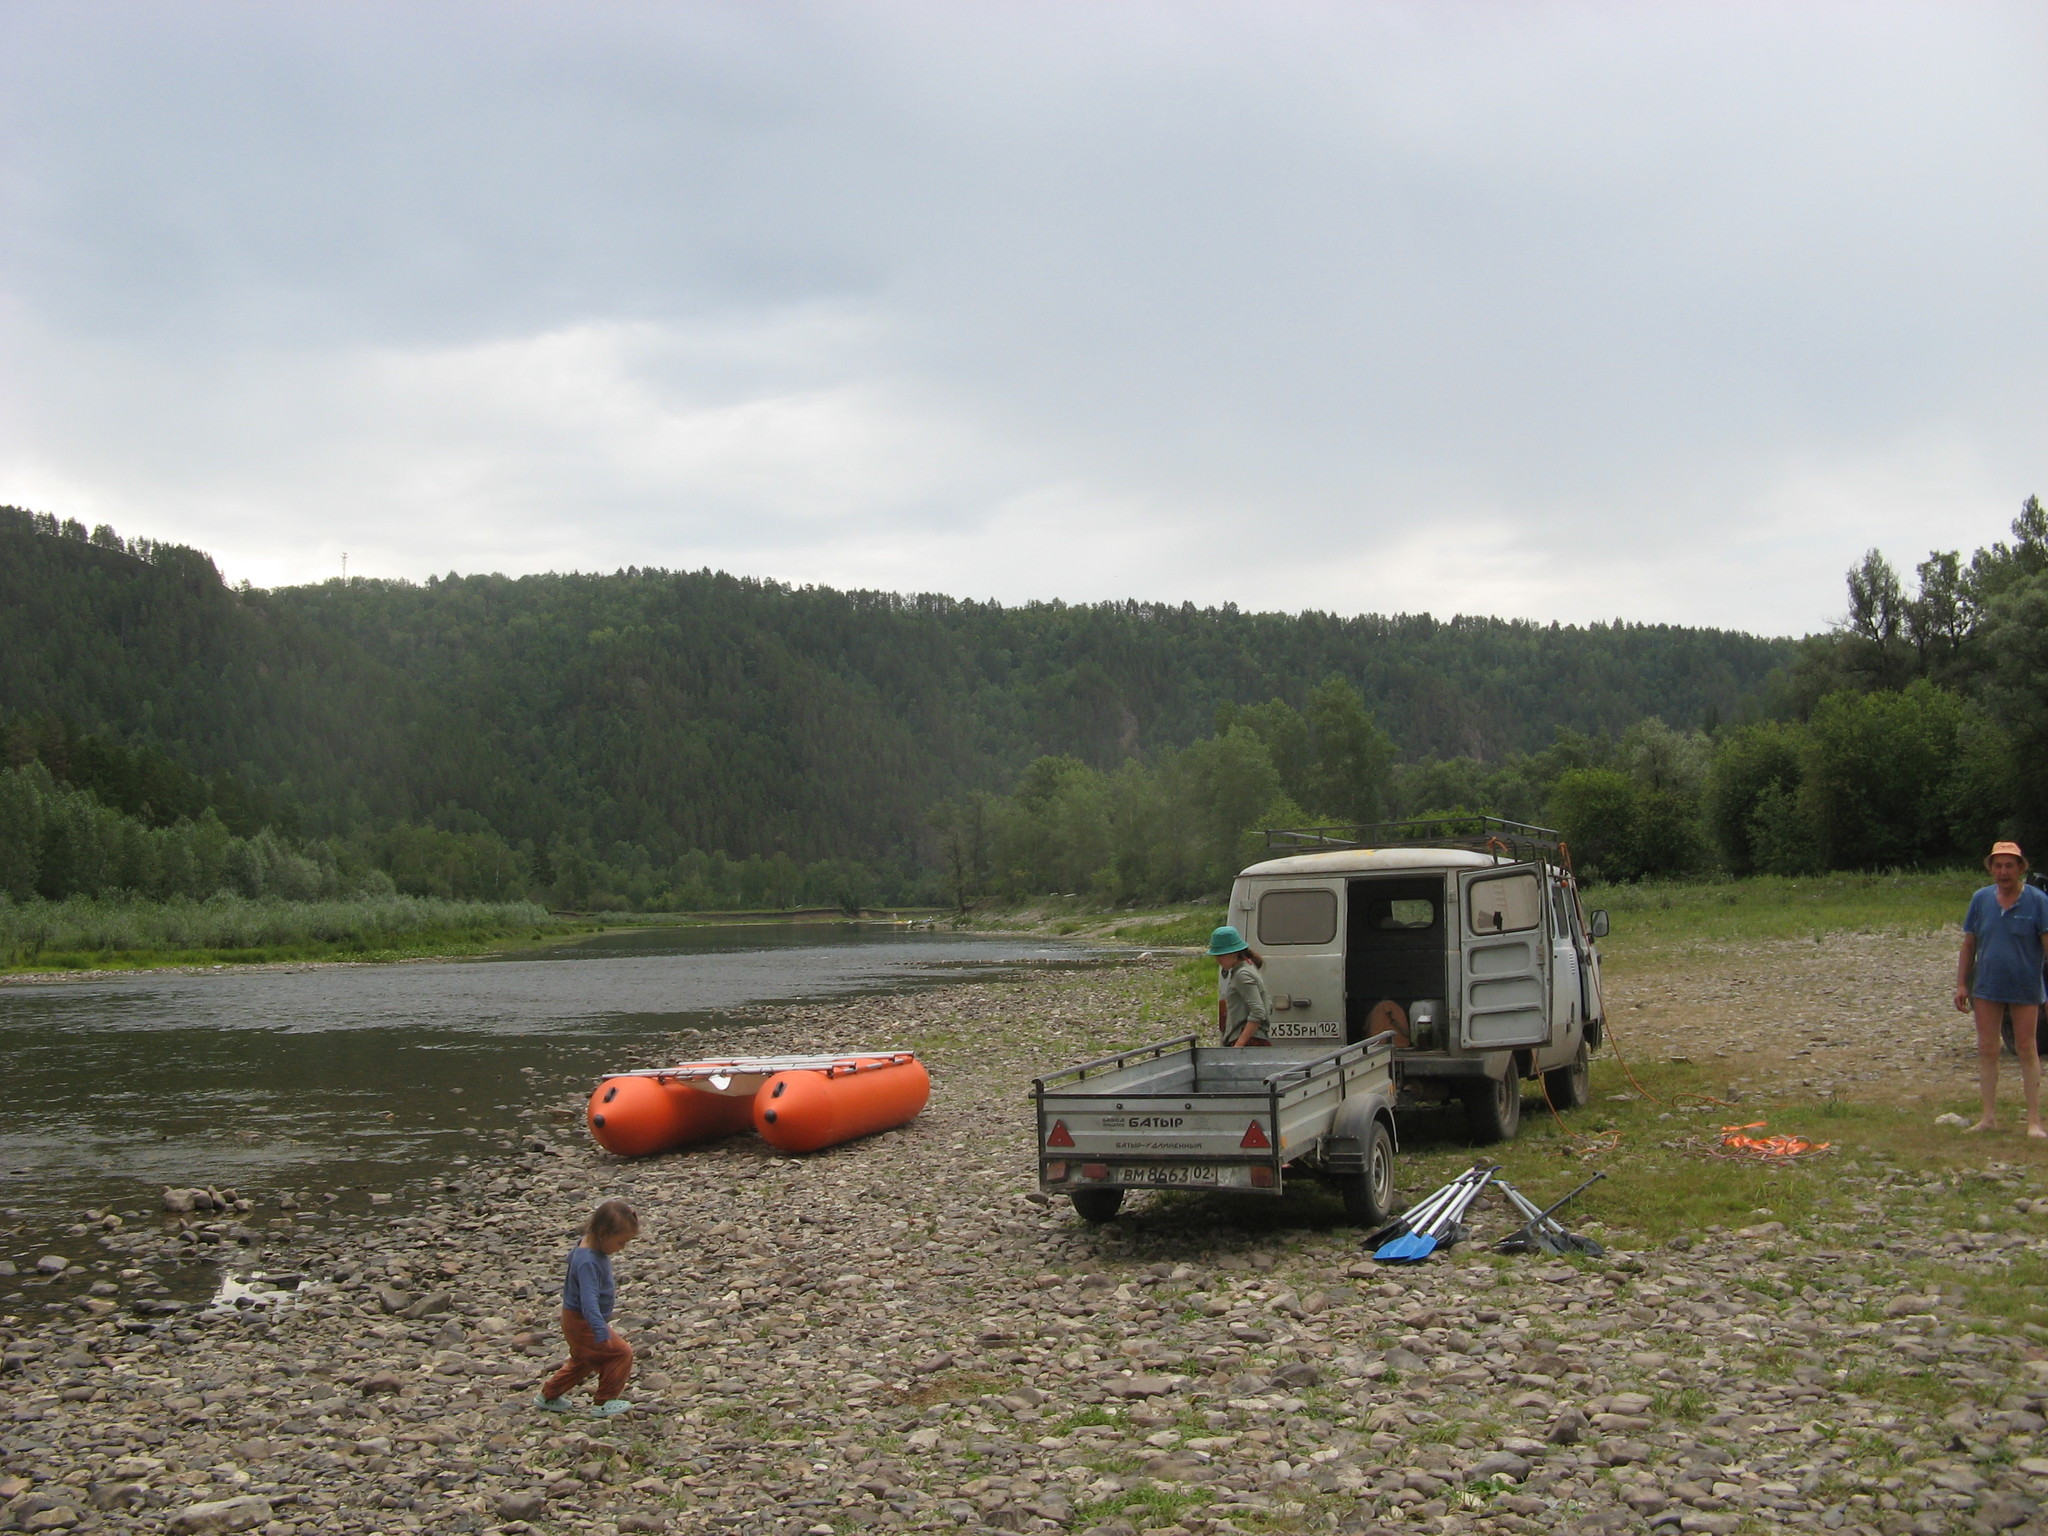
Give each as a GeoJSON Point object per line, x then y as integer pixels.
{"type": "Point", "coordinates": [1676, 1099]}
{"type": "Point", "coordinates": [1606, 1141]}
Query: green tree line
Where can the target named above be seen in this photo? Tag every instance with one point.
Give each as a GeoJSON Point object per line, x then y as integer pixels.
{"type": "Point", "coordinates": [1906, 737]}
{"type": "Point", "coordinates": [1177, 826]}
{"type": "Point", "coordinates": [59, 842]}
{"type": "Point", "coordinates": [654, 738]}
{"type": "Point", "coordinates": [645, 735]}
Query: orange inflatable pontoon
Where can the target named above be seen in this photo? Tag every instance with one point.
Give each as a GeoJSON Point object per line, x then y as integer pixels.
{"type": "Point", "coordinates": [798, 1103]}
{"type": "Point", "coordinates": [808, 1108]}
{"type": "Point", "coordinates": [635, 1116]}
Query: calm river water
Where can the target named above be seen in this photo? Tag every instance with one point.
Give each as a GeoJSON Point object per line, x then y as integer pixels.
{"type": "Point", "coordinates": [364, 1076]}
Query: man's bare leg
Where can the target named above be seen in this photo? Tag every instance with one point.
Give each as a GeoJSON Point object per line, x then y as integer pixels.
{"type": "Point", "coordinates": [2026, 1040]}
{"type": "Point", "coordinates": [1989, 1016]}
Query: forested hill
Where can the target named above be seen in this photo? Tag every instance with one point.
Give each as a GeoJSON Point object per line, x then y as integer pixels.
{"type": "Point", "coordinates": [672, 711]}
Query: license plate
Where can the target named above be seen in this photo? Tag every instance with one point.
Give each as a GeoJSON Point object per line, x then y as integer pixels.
{"type": "Point", "coordinates": [1303, 1029]}
{"type": "Point", "coordinates": [1165, 1173]}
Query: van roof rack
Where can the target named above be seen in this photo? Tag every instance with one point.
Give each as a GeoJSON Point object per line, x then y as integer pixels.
{"type": "Point", "coordinates": [1482, 834]}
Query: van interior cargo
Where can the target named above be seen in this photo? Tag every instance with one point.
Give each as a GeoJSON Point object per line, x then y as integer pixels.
{"type": "Point", "coordinates": [1394, 947]}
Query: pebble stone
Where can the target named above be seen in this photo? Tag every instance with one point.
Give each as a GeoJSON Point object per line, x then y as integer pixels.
{"type": "Point", "coordinates": [904, 1334]}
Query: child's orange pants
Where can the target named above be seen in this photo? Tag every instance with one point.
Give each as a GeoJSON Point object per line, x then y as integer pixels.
{"type": "Point", "coordinates": [610, 1362]}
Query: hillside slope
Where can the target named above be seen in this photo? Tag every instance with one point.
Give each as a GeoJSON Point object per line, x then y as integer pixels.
{"type": "Point", "coordinates": [678, 710]}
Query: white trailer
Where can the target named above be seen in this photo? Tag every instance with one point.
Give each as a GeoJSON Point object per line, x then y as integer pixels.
{"type": "Point", "coordinates": [1180, 1115]}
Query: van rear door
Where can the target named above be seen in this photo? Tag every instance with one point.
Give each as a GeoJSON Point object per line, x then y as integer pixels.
{"type": "Point", "coordinates": [1298, 925]}
{"type": "Point", "coordinates": [1504, 949]}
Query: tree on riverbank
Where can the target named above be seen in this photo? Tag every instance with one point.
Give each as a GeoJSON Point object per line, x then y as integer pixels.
{"type": "Point", "coordinates": [650, 736]}
{"type": "Point", "coordinates": [658, 739]}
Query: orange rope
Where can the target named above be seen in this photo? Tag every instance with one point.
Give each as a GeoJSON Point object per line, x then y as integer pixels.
{"type": "Point", "coordinates": [1606, 1141]}
{"type": "Point", "coordinates": [1676, 1099]}
{"type": "Point", "coordinates": [1781, 1148]}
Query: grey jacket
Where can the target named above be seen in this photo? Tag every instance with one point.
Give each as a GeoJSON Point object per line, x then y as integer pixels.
{"type": "Point", "coordinates": [1244, 995]}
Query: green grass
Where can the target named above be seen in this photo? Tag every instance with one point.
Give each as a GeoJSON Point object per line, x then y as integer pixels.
{"type": "Point", "coordinates": [1174, 927]}
{"type": "Point", "coordinates": [86, 934]}
{"type": "Point", "coordinates": [1658, 917]}
{"type": "Point", "coordinates": [1660, 1185]}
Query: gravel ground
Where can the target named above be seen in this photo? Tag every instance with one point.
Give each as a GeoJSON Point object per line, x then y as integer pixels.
{"type": "Point", "coordinates": [902, 1334]}
{"type": "Point", "coordinates": [1863, 1015]}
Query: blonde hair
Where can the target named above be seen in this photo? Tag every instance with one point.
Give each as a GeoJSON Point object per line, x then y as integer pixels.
{"type": "Point", "coordinates": [614, 1218]}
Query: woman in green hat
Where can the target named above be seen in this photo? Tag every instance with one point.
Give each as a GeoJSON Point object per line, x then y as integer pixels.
{"type": "Point", "coordinates": [1242, 1005]}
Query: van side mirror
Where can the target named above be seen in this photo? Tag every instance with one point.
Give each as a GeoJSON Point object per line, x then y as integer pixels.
{"type": "Point", "coordinates": [1596, 925]}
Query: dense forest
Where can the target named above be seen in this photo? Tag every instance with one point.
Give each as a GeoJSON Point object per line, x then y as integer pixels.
{"type": "Point", "coordinates": [1909, 736]}
{"type": "Point", "coordinates": [692, 739]}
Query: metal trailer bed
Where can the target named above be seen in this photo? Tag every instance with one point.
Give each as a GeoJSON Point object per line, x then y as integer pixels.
{"type": "Point", "coordinates": [1178, 1115]}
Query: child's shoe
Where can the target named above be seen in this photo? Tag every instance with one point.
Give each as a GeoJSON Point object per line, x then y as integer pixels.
{"type": "Point", "coordinates": [548, 1404]}
{"type": "Point", "coordinates": [612, 1409]}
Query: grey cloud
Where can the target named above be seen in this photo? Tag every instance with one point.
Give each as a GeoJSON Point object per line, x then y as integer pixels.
{"type": "Point", "coordinates": [1320, 276]}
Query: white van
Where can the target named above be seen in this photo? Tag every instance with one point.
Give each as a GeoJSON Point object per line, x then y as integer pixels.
{"type": "Point", "coordinates": [1470, 927]}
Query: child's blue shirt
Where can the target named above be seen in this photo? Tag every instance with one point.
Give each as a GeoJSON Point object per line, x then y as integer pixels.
{"type": "Point", "coordinates": [590, 1289]}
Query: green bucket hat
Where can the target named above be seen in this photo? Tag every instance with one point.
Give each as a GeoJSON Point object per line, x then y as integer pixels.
{"type": "Point", "coordinates": [1226, 941]}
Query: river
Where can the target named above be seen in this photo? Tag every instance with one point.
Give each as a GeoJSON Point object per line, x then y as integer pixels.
{"type": "Point", "coordinates": [365, 1077]}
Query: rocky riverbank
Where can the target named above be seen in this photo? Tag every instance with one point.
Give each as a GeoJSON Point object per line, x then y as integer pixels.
{"type": "Point", "coordinates": [902, 1334]}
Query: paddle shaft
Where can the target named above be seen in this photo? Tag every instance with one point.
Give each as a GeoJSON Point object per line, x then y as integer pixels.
{"type": "Point", "coordinates": [1415, 1241]}
{"type": "Point", "coordinates": [1464, 1202]}
{"type": "Point", "coordinates": [1425, 1209]}
{"type": "Point", "coordinates": [1542, 1221]}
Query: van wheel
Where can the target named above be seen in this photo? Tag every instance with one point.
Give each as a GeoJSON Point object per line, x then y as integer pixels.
{"type": "Point", "coordinates": [1097, 1205]}
{"type": "Point", "coordinates": [1493, 1108]}
{"type": "Point", "coordinates": [1369, 1193]}
{"type": "Point", "coordinates": [1570, 1085]}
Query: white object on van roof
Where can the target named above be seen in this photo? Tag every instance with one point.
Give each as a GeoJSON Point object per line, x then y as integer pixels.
{"type": "Point", "coordinates": [1361, 861]}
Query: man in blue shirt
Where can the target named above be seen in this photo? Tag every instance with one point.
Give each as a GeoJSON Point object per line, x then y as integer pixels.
{"type": "Point", "coordinates": [2005, 939]}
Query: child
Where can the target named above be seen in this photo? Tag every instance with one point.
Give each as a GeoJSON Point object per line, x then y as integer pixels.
{"type": "Point", "coordinates": [1242, 1006]}
{"type": "Point", "coordinates": [588, 1294]}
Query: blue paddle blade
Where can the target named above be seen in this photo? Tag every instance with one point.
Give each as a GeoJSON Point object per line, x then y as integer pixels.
{"type": "Point", "coordinates": [1395, 1251]}
{"type": "Point", "coordinates": [1401, 1250]}
{"type": "Point", "coordinates": [1421, 1246]}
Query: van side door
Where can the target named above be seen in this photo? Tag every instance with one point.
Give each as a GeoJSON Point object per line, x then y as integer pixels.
{"type": "Point", "coordinates": [1504, 955]}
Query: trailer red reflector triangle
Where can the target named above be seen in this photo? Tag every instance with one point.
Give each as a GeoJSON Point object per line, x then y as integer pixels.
{"type": "Point", "coordinates": [1059, 1136]}
{"type": "Point", "coordinates": [1255, 1137]}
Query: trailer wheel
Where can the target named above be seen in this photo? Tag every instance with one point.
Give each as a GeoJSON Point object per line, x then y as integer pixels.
{"type": "Point", "coordinates": [1097, 1205]}
{"type": "Point", "coordinates": [1493, 1108]}
{"type": "Point", "coordinates": [1570, 1085]}
{"type": "Point", "coordinates": [1369, 1193]}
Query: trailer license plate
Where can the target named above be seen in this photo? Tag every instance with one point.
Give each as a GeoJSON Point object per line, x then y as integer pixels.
{"type": "Point", "coordinates": [1166, 1173]}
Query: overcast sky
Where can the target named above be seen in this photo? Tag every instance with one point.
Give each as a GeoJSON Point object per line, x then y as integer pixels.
{"type": "Point", "coordinates": [1657, 311]}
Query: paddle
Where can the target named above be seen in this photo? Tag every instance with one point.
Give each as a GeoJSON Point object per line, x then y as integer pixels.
{"type": "Point", "coordinates": [1419, 1216]}
{"type": "Point", "coordinates": [1533, 1233]}
{"type": "Point", "coordinates": [1448, 1229]}
{"type": "Point", "coordinates": [1425, 1240]}
{"type": "Point", "coordinates": [1419, 1212]}
{"type": "Point", "coordinates": [1541, 1231]}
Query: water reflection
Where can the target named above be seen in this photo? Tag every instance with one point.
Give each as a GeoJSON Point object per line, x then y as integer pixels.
{"type": "Point", "coordinates": [370, 1074]}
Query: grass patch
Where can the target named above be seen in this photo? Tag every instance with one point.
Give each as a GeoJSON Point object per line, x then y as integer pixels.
{"type": "Point", "coordinates": [1660, 1186]}
{"type": "Point", "coordinates": [1689, 1405]}
{"type": "Point", "coordinates": [1659, 917]}
{"type": "Point", "coordinates": [2014, 1293]}
{"type": "Point", "coordinates": [1148, 1500]}
{"type": "Point", "coordinates": [87, 934]}
{"type": "Point", "coordinates": [1149, 927]}
{"type": "Point", "coordinates": [954, 1387]}
{"type": "Point", "coordinates": [1921, 1390]}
